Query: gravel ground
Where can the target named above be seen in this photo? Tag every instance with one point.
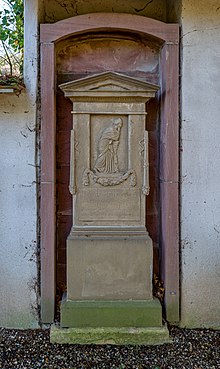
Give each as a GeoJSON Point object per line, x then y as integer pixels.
{"type": "Point", "coordinates": [31, 349]}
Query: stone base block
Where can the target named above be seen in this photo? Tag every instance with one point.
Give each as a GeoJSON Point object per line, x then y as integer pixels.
{"type": "Point", "coordinates": [112, 268]}
{"type": "Point", "coordinates": [94, 314]}
{"type": "Point", "coordinates": [110, 336]}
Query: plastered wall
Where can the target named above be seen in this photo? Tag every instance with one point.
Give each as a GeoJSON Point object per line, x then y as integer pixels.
{"type": "Point", "coordinates": [200, 164]}
{"type": "Point", "coordinates": [56, 10]}
{"type": "Point", "coordinates": [19, 287]}
{"type": "Point", "coordinates": [18, 272]}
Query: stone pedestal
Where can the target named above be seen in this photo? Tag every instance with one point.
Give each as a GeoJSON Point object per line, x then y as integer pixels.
{"type": "Point", "coordinates": [95, 314]}
{"type": "Point", "coordinates": [109, 251]}
{"type": "Point", "coordinates": [109, 269]}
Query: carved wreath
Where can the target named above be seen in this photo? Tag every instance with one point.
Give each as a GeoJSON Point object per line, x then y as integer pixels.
{"type": "Point", "coordinates": [109, 181]}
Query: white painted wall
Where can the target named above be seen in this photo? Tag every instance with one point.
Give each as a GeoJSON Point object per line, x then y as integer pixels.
{"type": "Point", "coordinates": [18, 213]}
{"type": "Point", "coordinates": [200, 159]}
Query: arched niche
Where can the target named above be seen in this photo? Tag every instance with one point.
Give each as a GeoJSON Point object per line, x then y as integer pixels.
{"type": "Point", "coordinates": [142, 48]}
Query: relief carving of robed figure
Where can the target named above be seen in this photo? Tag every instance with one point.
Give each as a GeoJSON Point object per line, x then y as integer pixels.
{"type": "Point", "coordinates": [107, 159]}
{"type": "Point", "coordinates": [106, 171]}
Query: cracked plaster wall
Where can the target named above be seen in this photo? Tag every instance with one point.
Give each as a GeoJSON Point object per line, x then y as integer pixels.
{"type": "Point", "coordinates": [18, 213]}
{"type": "Point", "coordinates": [200, 134]}
{"type": "Point", "coordinates": [56, 10]}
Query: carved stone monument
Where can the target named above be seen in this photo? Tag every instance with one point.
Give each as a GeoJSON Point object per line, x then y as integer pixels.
{"type": "Point", "coordinates": [109, 251]}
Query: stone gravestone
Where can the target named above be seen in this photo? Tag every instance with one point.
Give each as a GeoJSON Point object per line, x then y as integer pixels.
{"type": "Point", "coordinates": [109, 251]}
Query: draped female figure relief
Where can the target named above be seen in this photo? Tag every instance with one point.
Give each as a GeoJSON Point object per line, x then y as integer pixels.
{"type": "Point", "coordinates": [106, 171]}
{"type": "Point", "coordinates": [107, 159]}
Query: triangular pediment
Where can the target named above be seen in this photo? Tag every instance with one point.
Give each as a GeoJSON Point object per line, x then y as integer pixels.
{"type": "Point", "coordinates": [107, 84]}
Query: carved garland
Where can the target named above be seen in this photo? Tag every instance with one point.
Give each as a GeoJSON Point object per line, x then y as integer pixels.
{"type": "Point", "coordinates": [109, 181]}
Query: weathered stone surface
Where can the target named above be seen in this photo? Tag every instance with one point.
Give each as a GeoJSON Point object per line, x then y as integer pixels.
{"type": "Point", "coordinates": [109, 252]}
{"type": "Point", "coordinates": [109, 269]}
{"type": "Point", "coordinates": [79, 314]}
{"type": "Point", "coordinates": [110, 336]}
{"type": "Point", "coordinates": [109, 205]}
{"type": "Point", "coordinates": [109, 170]}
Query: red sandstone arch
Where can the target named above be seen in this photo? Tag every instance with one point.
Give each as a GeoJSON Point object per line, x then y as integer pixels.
{"type": "Point", "coordinates": [167, 35]}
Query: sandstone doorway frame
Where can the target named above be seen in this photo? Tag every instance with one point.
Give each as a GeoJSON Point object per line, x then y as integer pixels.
{"type": "Point", "coordinates": [168, 35]}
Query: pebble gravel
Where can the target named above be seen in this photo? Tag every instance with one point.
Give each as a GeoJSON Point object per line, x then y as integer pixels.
{"type": "Point", "coordinates": [31, 349]}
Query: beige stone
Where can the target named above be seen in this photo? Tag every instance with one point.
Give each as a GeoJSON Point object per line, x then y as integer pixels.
{"type": "Point", "coordinates": [109, 205]}
{"type": "Point", "coordinates": [109, 150]}
{"type": "Point", "coordinates": [115, 268]}
{"type": "Point", "coordinates": [109, 252]}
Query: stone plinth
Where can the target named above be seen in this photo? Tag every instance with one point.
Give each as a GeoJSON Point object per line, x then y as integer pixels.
{"type": "Point", "coordinates": [142, 313]}
{"type": "Point", "coordinates": [109, 268]}
{"type": "Point", "coordinates": [110, 336]}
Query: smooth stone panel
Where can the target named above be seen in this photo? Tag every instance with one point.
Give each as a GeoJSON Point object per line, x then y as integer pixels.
{"type": "Point", "coordinates": [109, 269]}
{"type": "Point", "coordinates": [99, 204]}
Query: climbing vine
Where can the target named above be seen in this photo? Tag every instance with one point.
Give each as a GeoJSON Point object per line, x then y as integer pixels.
{"type": "Point", "coordinates": [11, 36]}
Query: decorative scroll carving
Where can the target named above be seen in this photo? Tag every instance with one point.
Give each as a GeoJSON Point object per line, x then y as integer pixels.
{"type": "Point", "coordinates": [141, 143]}
{"type": "Point", "coordinates": [107, 159]}
{"type": "Point", "coordinates": [109, 181]}
{"type": "Point", "coordinates": [144, 152]}
{"type": "Point", "coordinates": [74, 144]}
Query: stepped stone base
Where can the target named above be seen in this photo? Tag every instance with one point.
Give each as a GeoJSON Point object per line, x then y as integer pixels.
{"type": "Point", "coordinates": [110, 322]}
{"type": "Point", "coordinates": [110, 336]}
{"type": "Point", "coordinates": [95, 314]}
